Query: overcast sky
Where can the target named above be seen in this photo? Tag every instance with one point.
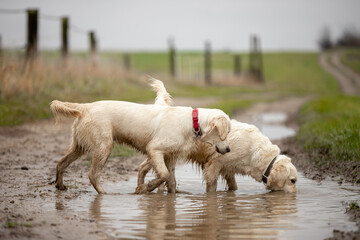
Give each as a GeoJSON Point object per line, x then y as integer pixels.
{"type": "Point", "coordinates": [146, 25]}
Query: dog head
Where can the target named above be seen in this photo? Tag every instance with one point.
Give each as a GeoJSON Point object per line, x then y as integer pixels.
{"type": "Point", "coordinates": [283, 175]}
{"type": "Point", "coordinates": [216, 132]}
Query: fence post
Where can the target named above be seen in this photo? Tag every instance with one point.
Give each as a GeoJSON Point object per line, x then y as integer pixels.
{"type": "Point", "coordinates": [237, 65]}
{"type": "Point", "coordinates": [93, 45]}
{"type": "Point", "coordinates": [127, 61]}
{"type": "Point", "coordinates": [64, 37]}
{"type": "Point", "coordinates": [207, 63]}
{"type": "Point", "coordinates": [256, 65]}
{"type": "Point", "coordinates": [172, 58]}
{"type": "Point", "coordinates": [32, 34]}
{"type": "Point", "coordinates": [0, 48]}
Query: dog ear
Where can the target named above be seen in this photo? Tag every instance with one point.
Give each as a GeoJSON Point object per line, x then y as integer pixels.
{"type": "Point", "coordinates": [278, 176]}
{"type": "Point", "coordinates": [222, 125]}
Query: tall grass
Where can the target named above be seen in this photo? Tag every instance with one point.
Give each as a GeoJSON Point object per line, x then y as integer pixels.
{"type": "Point", "coordinates": [28, 89]}
{"type": "Point", "coordinates": [330, 127]}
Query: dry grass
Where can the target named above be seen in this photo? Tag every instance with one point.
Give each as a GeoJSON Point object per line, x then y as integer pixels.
{"type": "Point", "coordinates": [26, 89]}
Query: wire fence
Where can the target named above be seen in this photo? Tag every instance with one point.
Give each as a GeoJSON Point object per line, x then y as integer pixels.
{"type": "Point", "coordinates": [200, 68]}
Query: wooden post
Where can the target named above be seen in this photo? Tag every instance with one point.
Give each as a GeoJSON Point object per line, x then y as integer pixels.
{"type": "Point", "coordinates": [93, 44]}
{"type": "Point", "coordinates": [127, 61]}
{"type": "Point", "coordinates": [251, 56]}
{"type": "Point", "coordinates": [32, 34]}
{"type": "Point", "coordinates": [207, 63]}
{"type": "Point", "coordinates": [64, 37]}
{"type": "Point", "coordinates": [0, 48]}
{"type": "Point", "coordinates": [237, 65]}
{"type": "Point", "coordinates": [172, 58]}
{"type": "Point", "coordinates": [256, 64]}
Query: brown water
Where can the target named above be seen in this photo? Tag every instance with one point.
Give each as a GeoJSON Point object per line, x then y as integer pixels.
{"type": "Point", "coordinates": [251, 212]}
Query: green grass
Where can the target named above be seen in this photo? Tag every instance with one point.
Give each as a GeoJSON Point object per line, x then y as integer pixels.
{"type": "Point", "coordinates": [123, 151]}
{"type": "Point", "coordinates": [230, 105]}
{"type": "Point", "coordinates": [351, 58]}
{"type": "Point", "coordinates": [330, 127]}
{"type": "Point", "coordinates": [27, 94]}
{"type": "Point", "coordinates": [298, 73]}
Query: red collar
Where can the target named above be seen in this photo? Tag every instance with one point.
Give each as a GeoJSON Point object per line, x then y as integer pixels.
{"type": "Point", "coordinates": [195, 117]}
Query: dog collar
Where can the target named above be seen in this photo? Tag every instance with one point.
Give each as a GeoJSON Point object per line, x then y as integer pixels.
{"type": "Point", "coordinates": [195, 117]}
{"type": "Point", "coordinates": [266, 174]}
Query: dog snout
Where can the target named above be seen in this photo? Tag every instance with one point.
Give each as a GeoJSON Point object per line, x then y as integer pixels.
{"type": "Point", "coordinates": [222, 149]}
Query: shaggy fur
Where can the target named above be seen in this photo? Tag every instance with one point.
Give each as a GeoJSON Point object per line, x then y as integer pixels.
{"type": "Point", "coordinates": [155, 130]}
{"type": "Point", "coordinates": [251, 154]}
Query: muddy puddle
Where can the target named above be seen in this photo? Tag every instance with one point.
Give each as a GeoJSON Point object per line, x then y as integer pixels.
{"type": "Point", "coordinates": [251, 212]}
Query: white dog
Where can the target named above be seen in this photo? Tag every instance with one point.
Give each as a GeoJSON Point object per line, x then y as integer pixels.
{"type": "Point", "coordinates": [157, 131]}
{"type": "Point", "coordinates": [251, 154]}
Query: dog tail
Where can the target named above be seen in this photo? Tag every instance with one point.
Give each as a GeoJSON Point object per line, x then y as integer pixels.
{"type": "Point", "coordinates": [162, 96]}
{"type": "Point", "coordinates": [65, 109]}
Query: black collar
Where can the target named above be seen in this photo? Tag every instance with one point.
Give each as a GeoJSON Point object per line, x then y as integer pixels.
{"type": "Point", "coordinates": [265, 176]}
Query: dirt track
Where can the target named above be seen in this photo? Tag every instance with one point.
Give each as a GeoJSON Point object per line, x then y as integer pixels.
{"type": "Point", "coordinates": [349, 81]}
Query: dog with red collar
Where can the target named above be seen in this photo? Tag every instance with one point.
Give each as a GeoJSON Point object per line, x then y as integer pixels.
{"type": "Point", "coordinates": [157, 131]}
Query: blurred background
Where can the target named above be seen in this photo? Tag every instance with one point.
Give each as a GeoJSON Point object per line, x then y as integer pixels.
{"type": "Point", "coordinates": [90, 50]}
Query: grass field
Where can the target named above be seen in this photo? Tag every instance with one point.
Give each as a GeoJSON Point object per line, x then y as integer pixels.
{"type": "Point", "coordinates": [330, 132]}
{"type": "Point", "coordinates": [27, 91]}
{"type": "Point", "coordinates": [331, 125]}
{"type": "Point", "coordinates": [351, 58]}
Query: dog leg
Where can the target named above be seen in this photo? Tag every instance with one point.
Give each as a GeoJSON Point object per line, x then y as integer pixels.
{"type": "Point", "coordinates": [98, 162]}
{"type": "Point", "coordinates": [73, 154]}
{"type": "Point", "coordinates": [144, 168]}
{"type": "Point", "coordinates": [171, 184]}
{"type": "Point", "coordinates": [162, 173]}
{"type": "Point", "coordinates": [231, 182]}
{"type": "Point", "coordinates": [211, 173]}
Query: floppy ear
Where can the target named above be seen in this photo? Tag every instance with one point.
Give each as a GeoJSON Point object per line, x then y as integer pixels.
{"type": "Point", "coordinates": [278, 176]}
{"type": "Point", "coordinates": [222, 125]}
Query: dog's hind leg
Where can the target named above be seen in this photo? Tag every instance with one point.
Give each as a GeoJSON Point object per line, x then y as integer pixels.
{"type": "Point", "coordinates": [211, 173]}
{"type": "Point", "coordinates": [231, 182]}
{"type": "Point", "coordinates": [171, 184]}
{"type": "Point", "coordinates": [156, 159]}
{"type": "Point", "coordinates": [144, 168]}
{"type": "Point", "coordinates": [99, 158]}
{"type": "Point", "coordinates": [74, 153]}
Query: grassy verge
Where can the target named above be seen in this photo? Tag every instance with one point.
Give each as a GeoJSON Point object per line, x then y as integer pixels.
{"type": "Point", "coordinates": [351, 58]}
{"type": "Point", "coordinates": [330, 132]}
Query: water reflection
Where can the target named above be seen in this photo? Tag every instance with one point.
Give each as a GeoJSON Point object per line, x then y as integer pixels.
{"type": "Point", "coordinates": [271, 125]}
{"type": "Point", "coordinates": [211, 216]}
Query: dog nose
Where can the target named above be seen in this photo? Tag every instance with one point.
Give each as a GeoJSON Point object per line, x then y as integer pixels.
{"type": "Point", "coordinates": [217, 149]}
{"type": "Point", "coordinates": [227, 149]}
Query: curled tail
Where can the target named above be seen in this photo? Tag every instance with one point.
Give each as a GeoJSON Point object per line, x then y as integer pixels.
{"type": "Point", "coordinates": [162, 96]}
{"type": "Point", "coordinates": [65, 109]}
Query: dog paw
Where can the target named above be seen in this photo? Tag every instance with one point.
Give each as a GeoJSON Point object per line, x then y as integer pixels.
{"type": "Point", "coordinates": [141, 189]}
{"type": "Point", "coordinates": [61, 187]}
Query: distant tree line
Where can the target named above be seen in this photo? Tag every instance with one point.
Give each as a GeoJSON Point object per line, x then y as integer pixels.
{"type": "Point", "coordinates": [349, 38]}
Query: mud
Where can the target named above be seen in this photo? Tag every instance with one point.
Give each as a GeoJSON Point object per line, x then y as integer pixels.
{"type": "Point", "coordinates": [28, 158]}
{"type": "Point", "coordinates": [30, 208]}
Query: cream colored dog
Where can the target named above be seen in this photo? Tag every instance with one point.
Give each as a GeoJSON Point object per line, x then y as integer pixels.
{"type": "Point", "coordinates": [251, 154]}
{"type": "Point", "coordinates": [155, 130]}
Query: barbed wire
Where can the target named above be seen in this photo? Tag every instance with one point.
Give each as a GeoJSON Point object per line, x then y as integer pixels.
{"type": "Point", "coordinates": [45, 16]}
{"type": "Point", "coordinates": [50, 17]}
{"type": "Point", "coordinates": [78, 30]}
